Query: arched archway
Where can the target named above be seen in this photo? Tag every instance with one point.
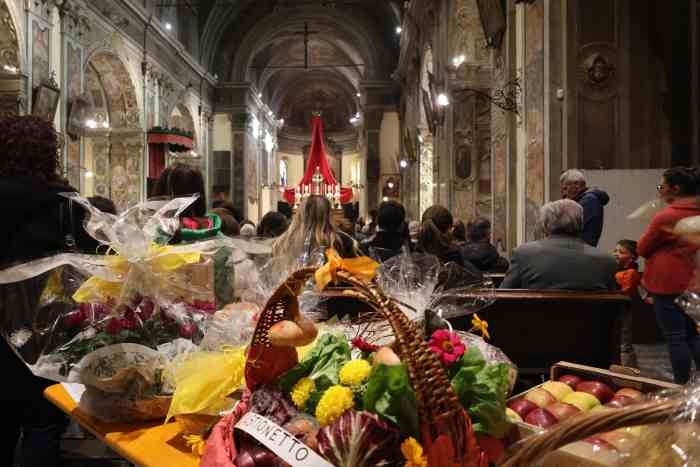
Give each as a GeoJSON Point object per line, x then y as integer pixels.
{"type": "Point", "coordinates": [111, 135]}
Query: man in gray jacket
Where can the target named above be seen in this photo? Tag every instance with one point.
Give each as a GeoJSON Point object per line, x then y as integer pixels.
{"type": "Point", "coordinates": [562, 260]}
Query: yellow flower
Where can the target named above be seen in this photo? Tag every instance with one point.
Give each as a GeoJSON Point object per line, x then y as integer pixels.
{"type": "Point", "coordinates": [196, 443]}
{"type": "Point", "coordinates": [355, 372]}
{"type": "Point", "coordinates": [334, 402]}
{"type": "Point", "coordinates": [413, 453]}
{"type": "Point", "coordinates": [301, 392]}
{"type": "Point", "coordinates": [481, 325]}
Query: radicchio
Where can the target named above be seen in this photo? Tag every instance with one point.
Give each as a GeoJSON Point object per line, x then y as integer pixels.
{"type": "Point", "coordinates": [360, 439]}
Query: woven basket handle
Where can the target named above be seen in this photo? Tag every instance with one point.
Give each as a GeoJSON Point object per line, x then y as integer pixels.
{"type": "Point", "coordinates": [581, 427]}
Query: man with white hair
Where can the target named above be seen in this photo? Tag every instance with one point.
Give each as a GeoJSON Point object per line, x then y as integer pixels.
{"type": "Point", "coordinates": [592, 200]}
{"type": "Point", "coordinates": [562, 260]}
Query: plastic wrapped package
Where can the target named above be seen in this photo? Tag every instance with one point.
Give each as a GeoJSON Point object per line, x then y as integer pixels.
{"type": "Point", "coordinates": [63, 308]}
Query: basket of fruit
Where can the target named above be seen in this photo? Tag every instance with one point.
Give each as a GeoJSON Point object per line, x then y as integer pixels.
{"type": "Point", "coordinates": [602, 409]}
{"type": "Point", "coordinates": [406, 400]}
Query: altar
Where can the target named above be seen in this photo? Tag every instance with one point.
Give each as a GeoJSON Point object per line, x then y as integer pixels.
{"type": "Point", "coordinates": [318, 179]}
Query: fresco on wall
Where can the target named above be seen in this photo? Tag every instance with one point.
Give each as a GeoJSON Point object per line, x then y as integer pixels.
{"type": "Point", "coordinates": [40, 54]}
{"type": "Point", "coordinates": [9, 46]}
{"type": "Point", "coordinates": [74, 65]}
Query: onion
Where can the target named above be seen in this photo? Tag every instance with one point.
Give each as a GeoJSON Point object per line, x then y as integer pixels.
{"type": "Point", "coordinates": [290, 334]}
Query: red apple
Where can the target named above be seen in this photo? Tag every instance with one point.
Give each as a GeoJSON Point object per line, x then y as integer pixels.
{"type": "Point", "coordinates": [622, 441]}
{"type": "Point", "coordinates": [571, 380]}
{"type": "Point", "coordinates": [540, 397]}
{"type": "Point", "coordinates": [562, 410]}
{"type": "Point", "coordinates": [595, 388]}
{"type": "Point", "coordinates": [541, 417]}
{"type": "Point", "coordinates": [522, 407]}
{"type": "Point", "coordinates": [619, 402]}
{"type": "Point", "coordinates": [598, 441]}
{"type": "Point", "coordinates": [629, 392]}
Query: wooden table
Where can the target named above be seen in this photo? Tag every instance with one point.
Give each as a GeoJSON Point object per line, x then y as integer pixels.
{"type": "Point", "coordinates": [152, 444]}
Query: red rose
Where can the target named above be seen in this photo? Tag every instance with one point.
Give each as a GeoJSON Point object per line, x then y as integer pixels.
{"type": "Point", "coordinates": [75, 318]}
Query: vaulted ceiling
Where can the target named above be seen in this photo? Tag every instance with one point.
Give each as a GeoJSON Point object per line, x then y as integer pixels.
{"type": "Point", "coordinates": [262, 42]}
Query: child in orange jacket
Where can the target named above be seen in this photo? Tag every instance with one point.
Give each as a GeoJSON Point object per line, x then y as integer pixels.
{"type": "Point", "coordinates": [628, 279]}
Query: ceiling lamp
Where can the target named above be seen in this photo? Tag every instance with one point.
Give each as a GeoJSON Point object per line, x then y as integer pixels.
{"type": "Point", "coordinates": [168, 26]}
{"type": "Point", "coordinates": [398, 29]}
{"type": "Point", "coordinates": [443, 100]}
{"type": "Point", "coordinates": [259, 95]}
{"type": "Point", "coordinates": [403, 163]}
{"type": "Point", "coordinates": [457, 61]}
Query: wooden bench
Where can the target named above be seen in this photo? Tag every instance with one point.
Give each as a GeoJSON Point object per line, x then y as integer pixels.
{"type": "Point", "coordinates": [537, 328]}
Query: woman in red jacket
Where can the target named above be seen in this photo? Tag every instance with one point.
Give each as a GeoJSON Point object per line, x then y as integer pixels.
{"type": "Point", "coordinates": [670, 266]}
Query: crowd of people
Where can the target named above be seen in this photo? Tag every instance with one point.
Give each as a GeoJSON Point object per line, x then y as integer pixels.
{"type": "Point", "coordinates": [43, 222]}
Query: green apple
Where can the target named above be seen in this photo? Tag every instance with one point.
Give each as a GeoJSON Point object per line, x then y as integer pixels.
{"type": "Point", "coordinates": [582, 400]}
{"type": "Point", "coordinates": [557, 389]}
{"type": "Point", "coordinates": [540, 397]}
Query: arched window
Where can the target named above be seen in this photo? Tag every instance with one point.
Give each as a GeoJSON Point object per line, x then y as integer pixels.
{"type": "Point", "coordinates": [283, 172]}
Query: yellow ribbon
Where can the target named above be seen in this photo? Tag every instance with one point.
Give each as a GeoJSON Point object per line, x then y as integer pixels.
{"type": "Point", "coordinates": [160, 259]}
{"type": "Point", "coordinates": [363, 267]}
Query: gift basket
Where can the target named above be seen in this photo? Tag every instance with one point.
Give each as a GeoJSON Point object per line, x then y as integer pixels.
{"type": "Point", "coordinates": [117, 322]}
{"type": "Point", "coordinates": [317, 397]}
{"type": "Point", "coordinates": [659, 430]}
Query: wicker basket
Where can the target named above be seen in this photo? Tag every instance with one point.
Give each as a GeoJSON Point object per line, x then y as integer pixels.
{"type": "Point", "coordinates": [581, 427]}
{"type": "Point", "coordinates": [442, 417]}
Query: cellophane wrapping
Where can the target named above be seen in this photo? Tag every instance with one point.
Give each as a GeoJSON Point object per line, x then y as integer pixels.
{"type": "Point", "coordinates": [116, 322]}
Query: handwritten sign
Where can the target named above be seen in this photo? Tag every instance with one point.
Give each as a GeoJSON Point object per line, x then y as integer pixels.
{"type": "Point", "coordinates": [280, 441]}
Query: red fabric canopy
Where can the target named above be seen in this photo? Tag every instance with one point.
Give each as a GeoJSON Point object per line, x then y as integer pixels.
{"type": "Point", "coordinates": [169, 138]}
{"type": "Point", "coordinates": [317, 158]}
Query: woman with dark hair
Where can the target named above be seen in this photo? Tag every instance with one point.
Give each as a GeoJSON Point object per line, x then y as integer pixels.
{"type": "Point", "coordinates": [479, 251]}
{"type": "Point", "coordinates": [392, 232]}
{"type": "Point", "coordinates": [38, 219]}
{"type": "Point", "coordinates": [195, 223]}
{"type": "Point", "coordinates": [435, 238]}
{"type": "Point", "coordinates": [272, 225]}
{"type": "Point", "coordinates": [670, 266]}
{"type": "Point", "coordinates": [459, 233]}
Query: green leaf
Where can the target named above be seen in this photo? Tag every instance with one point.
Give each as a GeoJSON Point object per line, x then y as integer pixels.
{"type": "Point", "coordinates": [390, 395]}
{"type": "Point", "coordinates": [482, 390]}
{"type": "Point", "coordinates": [321, 364]}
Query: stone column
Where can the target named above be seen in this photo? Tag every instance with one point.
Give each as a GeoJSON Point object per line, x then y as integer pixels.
{"type": "Point", "coordinates": [373, 121]}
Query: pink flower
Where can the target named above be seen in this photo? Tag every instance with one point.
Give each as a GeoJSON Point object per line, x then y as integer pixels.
{"type": "Point", "coordinates": [364, 346]}
{"type": "Point", "coordinates": [447, 345]}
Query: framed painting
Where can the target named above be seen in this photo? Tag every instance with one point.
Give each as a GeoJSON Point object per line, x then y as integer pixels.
{"type": "Point", "coordinates": [45, 99]}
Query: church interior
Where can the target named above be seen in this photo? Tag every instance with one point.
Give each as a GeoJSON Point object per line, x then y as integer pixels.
{"type": "Point", "coordinates": [478, 106]}
{"type": "Point", "coordinates": [474, 105]}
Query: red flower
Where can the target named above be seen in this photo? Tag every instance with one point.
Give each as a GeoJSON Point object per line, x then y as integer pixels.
{"type": "Point", "coordinates": [205, 306]}
{"type": "Point", "coordinates": [363, 345]}
{"type": "Point", "coordinates": [114, 327]}
{"type": "Point", "coordinates": [145, 310]}
{"type": "Point", "coordinates": [447, 345]}
{"type": "Point", "coordinates": [187, 330]}
{"type": "Point", "coordinates": [75, 318]}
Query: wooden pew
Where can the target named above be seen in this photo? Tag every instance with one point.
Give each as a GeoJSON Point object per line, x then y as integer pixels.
{"type": "Point", "coordinates": [537, 328]}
